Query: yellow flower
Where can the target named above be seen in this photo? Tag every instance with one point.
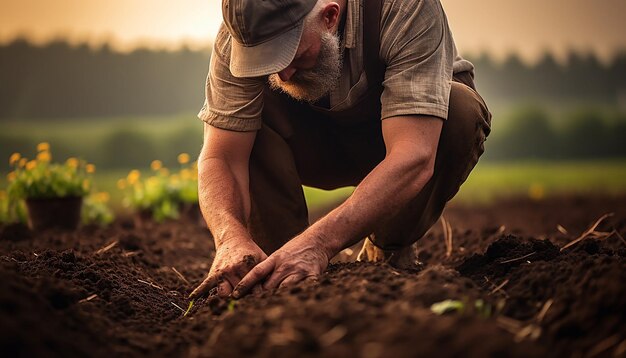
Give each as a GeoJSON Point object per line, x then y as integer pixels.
{"type": "Point", "coordinates": [11, 176]}
{"type": "Point", "coordinates": [14, 158]}
{"type": "Point", "coordinates": [90, 168]}
{"type": "Point", "coordinates": [152, 182]}
{"type": "Point", "coordinates": [183, 158]}
{"type": "Point", "coordinates": [43, 147]}
{"type": "Point", "coordinates": [164, 172]}
{"type": "Point", "coordinates": [156, 165]}
{"type": "Point", "coordinates": [121, 184]}
{"type": "Point", "coordinates": [103, 197]}
{"type": "Point", "coordinates": [44, 156]}
{"type": "Point", "coordinates": [133, 176]}
{"type": "Point", "coordinates": [72, 163]}
{"type": "Point", "coordinates": [86, 184]}
{"type": "Point", "coordinates": [22, 163]}
{"type": "Point", "coordinates": [536, 191]}
{"type": "Point", "coordinates": [31, 165]}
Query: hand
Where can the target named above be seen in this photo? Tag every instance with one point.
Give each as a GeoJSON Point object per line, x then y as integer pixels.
{"type": "Point", "coordinates": [304, 257]}
{"type": "Point", "coordinates": [233, 261]}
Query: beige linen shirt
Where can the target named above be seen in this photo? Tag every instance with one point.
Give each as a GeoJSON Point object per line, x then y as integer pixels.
{"type": "Point", "coordinates": [416, 45]}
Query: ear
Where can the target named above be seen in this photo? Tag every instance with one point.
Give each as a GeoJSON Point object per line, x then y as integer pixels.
{"type": "Point", "coordinates": [330, 15]}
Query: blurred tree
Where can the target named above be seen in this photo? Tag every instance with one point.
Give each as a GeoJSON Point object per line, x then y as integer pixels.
{"type": "Point", "coordinates": [529, 135]}
{"type": "Point", "coordinates": [185, 140]}
{"type": "Point", "coordinates": [59, 80]}
{"type": "Point", "coordinates": [585, 135]}
{"type": "Point", "coordinates": [127, 148]}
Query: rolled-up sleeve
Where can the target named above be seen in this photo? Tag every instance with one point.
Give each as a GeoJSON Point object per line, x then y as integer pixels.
{"type": "Point", "coordinates": [230, 103]}
{"type": "Point", "coordinates": [418, 49]}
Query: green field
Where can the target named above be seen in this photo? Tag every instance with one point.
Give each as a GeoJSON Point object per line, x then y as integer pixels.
{"type": "Point", "coordinates": [492, 181]}
{"type": "Point", "coordinates": [488, 182]}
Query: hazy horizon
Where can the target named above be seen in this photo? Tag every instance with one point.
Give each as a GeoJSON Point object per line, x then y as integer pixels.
{"type": "Point", "coordinates": [528, 28]}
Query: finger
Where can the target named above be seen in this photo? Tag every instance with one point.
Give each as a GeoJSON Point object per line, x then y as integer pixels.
{"type": "Point", "coordinates": [291, 280]}
{"type": "Point", "coordinates": [233, 277]}
{"type": "Point", "coordinates": [275, 279]}
{"type": "Point", "coordinates": [204, 288]}
{"type": "Point", "coordinates": [253, 277]}
{"type": "Point", "coordinates": [224, 289]}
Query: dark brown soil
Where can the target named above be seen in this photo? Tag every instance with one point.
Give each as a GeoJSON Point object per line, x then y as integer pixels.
{"type": "Point", "coordinates": [77, 294]}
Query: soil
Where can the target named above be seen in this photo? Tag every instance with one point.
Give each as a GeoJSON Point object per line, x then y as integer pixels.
{"type": "Point", "coordinates": [122, 290]}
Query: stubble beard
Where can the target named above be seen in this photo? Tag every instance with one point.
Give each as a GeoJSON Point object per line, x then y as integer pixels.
{"type": "Point", "coordinates": [309, 85]}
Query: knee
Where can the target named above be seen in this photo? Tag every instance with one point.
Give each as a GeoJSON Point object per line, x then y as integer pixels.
{"type": "Point", "coordinates": [467, 109]}
{"type": "Point", "coordinates": [469, 120]}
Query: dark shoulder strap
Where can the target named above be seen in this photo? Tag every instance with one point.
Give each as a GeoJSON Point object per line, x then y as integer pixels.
{"type": "Point", "coordinates": [374, 67]}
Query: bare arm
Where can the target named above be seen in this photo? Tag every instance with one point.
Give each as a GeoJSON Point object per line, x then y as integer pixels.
{"type": "Point", "coordinates": [224, 196]}
{"type": "Point", "coordinates": [411, 144]}
{"type": "Point", "coordinates": [223, 182]}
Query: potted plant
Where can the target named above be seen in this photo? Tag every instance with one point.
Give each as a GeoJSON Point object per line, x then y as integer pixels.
{"type": "Point", "coordinates": [53, 192]}
{"type": "Point", "coordinates": [164, 194]}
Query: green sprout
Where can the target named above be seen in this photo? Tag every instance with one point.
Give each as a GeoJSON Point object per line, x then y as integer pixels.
{"type": "Point", "coordinates": [479, 307]}
{"type": "Point", "coordinates": [188, 309]}
{"type": "Point", "coordinates": [231, 305]}
{"type": "Point", "coordinates": [447, 306]}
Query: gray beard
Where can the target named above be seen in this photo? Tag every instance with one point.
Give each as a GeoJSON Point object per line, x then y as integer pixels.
{"type": "Point", "coordinates": [312, 84]}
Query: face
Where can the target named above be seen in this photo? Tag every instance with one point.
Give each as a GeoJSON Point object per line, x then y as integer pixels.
{"type": "Point", "coordinates": [315, 70]}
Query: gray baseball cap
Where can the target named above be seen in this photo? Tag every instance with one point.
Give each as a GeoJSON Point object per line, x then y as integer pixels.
{"type": "Point", "coordinates": [265, 34]}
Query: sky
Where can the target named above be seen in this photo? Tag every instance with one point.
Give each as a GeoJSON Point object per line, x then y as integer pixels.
{"type": "Point", "coordinates": [500, 27]}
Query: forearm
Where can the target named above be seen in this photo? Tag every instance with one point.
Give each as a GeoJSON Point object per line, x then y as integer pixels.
{"type": "Point", "coordinates": [383, 193]}
{"type": "Point", "coordinates": [224, 200]}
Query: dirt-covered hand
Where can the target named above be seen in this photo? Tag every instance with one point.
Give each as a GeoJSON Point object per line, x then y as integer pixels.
{"type": "Point", "coordinates": [302, 258]}
{"type": "Point", "coordinates": [232, 262]}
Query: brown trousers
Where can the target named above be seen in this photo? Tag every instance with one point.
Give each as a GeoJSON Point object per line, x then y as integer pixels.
{"type": "Point", "coordinates": [301, 145]}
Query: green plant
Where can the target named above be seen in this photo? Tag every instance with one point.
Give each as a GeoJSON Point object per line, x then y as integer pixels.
{"type": "Point", "coordinates": [447, 306]}
{"type": "Point", "coordinates": [162, 193]}
{"type": "Point", "coordinates": [188, 308]}
{"type": "Point", "coordinates": [40, 178]}
{"type": "Point", "coordinates": [95, 209]}
{"type": "Point", "coordinates": [5, 213]}
{"type": "Point", "coordinates": [231, 305]}
{"type": "Point", "coordinates": [480, 307]}
{"type": "Point", "coordinates": [12, 211]}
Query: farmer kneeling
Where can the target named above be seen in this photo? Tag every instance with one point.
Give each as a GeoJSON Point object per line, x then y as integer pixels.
{"type": "Point", "coordinates": [331, 93]}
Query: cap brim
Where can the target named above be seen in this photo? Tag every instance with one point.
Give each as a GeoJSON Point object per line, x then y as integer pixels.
{"type": "Point", "coordinates": [269, 57]}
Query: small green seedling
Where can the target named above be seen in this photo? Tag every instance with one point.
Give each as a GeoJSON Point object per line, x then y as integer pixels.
{"type": "Point", "coordinates": [231, 305]}
{"type": "Point", "coordinates": [447, 306]}
{"type": "Point", "coordinates": [480, 307]}
{"type": "Point", "coordinates": [188, 309]}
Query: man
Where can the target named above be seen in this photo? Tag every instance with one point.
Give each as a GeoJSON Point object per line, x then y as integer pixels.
{"type": "Point", "coordinates": [330, 93]}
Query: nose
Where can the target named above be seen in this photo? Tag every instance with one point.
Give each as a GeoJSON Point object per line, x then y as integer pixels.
{"type": "Point", "coordinates": [286, 74]}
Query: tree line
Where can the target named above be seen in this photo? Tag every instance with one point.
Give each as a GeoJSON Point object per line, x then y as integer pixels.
{"type": "Point", "coordinates": [59, 80]}
{"type": "Point", "coordinates": [531, 132]}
